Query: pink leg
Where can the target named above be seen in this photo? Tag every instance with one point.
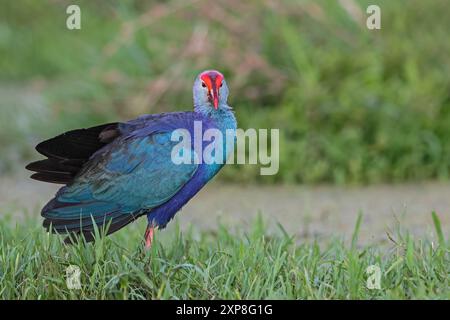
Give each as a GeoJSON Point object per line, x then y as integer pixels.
{"type": "Point", "coordinates": [149, 236]}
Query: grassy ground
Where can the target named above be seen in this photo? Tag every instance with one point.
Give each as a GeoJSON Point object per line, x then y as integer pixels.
{"type": "Point", "coordinates": [227, 264]}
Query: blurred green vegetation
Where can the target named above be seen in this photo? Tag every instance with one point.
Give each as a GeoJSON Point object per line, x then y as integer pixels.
{"type": "Point", "coordinates": [353, 105]}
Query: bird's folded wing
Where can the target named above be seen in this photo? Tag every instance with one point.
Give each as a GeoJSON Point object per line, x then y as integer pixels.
{"type": "Point", "coordinates": [133, 173]}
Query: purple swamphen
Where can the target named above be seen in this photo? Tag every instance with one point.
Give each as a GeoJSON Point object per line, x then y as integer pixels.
{"type": "Point", "coordinates": [117, 172]}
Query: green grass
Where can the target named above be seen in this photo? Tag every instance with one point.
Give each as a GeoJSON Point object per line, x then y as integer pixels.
{"type": "Point", "coordinates": [219, 265]}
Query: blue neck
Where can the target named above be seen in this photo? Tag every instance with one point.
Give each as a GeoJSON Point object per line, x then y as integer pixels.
{"type": "Point", "coordinates": [223, 116]}
{"type": "Point", "coordinates": [223, 119]}
{"type": "Point", "coordinates": [207, 109]}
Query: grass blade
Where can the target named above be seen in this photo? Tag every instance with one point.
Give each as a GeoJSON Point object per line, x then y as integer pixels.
{"type": "Point", "coordinates": [356, 230]}
{"type": "Point", "coordinates": [437, 226]}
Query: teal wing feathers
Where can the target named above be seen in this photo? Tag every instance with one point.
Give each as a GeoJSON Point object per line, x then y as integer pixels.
{"type": "Point", "coordinates": [132, 174]}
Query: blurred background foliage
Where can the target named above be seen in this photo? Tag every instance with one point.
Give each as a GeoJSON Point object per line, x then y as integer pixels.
{"type": "Point", "coordinates": [353, 105]}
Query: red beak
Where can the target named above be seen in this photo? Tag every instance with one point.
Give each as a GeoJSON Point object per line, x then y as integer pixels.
{"type": "Point", "coordinates": [215, 96]}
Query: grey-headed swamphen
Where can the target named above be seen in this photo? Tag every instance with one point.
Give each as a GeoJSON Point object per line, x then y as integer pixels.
{"type": "Point", "coordinates": [117, 172]}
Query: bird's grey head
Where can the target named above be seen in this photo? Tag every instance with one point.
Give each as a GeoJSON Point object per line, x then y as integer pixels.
{"type": "Point", "coordinates": [210, 90]}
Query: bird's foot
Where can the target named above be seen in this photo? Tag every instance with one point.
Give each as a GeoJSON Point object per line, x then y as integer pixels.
{"type": "Point", "coordinates": [149, 236]}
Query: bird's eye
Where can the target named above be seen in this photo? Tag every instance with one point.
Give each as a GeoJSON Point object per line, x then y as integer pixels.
{"type": "Point", "coordinates": [203, 85]}
{"type": "Point", "coordinates": [221, 84]}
